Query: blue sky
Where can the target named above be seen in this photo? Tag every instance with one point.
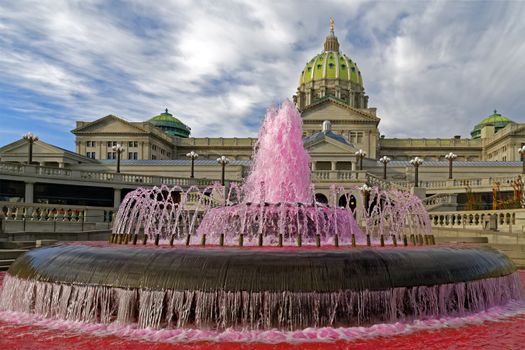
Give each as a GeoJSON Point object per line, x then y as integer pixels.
{"type": "Point", "coordinates": [433, 69]}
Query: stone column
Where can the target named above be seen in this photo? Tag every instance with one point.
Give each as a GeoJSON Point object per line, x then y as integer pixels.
{"type": "Point", "coordinates": [29, 193]}
{"type": "Point", "coordinates": [334, 165]}
{"type": "Point", "coordinates": [116, 197]}
{"type": "Point", "coordinates": [313, 166]}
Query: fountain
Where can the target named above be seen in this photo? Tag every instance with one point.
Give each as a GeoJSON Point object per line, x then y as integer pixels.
{"type": "Point", "coordinates": [262, 256]}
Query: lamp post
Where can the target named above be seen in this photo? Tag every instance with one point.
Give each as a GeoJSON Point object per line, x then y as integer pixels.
{"type": "Point", "coordinates": [416, 162]}
{"type": "Point", "coordinates": [222, 160]}
{"type": "Point", "coordinates": [360, 155]}
{"type": "Point", "coordinates": [31, 138]}
{"type": "Point", "coordinates": [118, 149]}
{"type": "Point", "coordinates": [451, 156]}
{"type": "Point", "coordinates": [192, 155]}
{"type": "Point", "coordinates": [522, 153]}
{"type": "Point", "coordinates": [385, 160]}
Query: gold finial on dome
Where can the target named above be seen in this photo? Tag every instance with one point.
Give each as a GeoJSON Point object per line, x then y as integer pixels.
{"type": "Point", "coordinates": [331, 43]}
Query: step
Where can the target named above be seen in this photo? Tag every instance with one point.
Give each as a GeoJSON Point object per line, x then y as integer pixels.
{"type": "Point", "coordinates": [18, 245]}
{"type": "Point", "coordinates": [6, 254]}
{"type": "Point", "coordinates": [5, 263]}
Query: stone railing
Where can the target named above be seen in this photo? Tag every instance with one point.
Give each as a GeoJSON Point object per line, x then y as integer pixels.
{"type": "Point", "coordinates": [98, 176]}
{"type": "Point", "coordinates": [23, 217]}
{"type": "Point", "coordinates": [441, 199]}
{"type": "Point", "coordinates": [338, 175]}
{"type": "Point", "coordinates": [468, 182]}
{"type": "Point", "coordinates": [476, 219]}
{"type": "Point", "coordinates": [11, 168]}
{"type": "Point", "coordinates": [54, 212]}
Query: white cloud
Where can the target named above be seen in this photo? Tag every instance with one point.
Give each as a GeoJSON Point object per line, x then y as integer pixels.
{"type": "Point", "coordinates": [432, 68]}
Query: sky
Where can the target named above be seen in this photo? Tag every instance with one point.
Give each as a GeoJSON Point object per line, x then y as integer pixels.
{"type": "Point", "coordinates": [432, 69]}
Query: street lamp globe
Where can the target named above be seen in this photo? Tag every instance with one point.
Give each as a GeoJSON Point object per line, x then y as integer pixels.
{"type": "Point", "coordinates": [29, 136]}
{"type": "Point", "coordinates": [192, 155]}
{"type": "Point", "coordinates": [223, 160]}
{"type": "Point", "coordinates": [385, 160]}
{"type": "Point", "coordinates": [451, 156]}
{"type": "Point", "coordinates": [416, 161]}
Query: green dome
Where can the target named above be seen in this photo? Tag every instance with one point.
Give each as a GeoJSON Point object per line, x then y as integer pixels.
{"type": "Point", "coordinates": [331, 65]}
{"type": "Point", "coordinates": [170, 125]}
{"type": "Point", "coordinates": [496, 119]}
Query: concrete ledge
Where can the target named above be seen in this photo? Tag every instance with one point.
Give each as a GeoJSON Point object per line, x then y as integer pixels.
{"type": "Point", "coordinates": [452, 239]}
{"type": "Point", "coordinates": [96, 235]}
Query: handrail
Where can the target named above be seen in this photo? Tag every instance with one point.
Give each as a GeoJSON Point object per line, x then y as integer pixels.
{"type": "Point", "coordinates": [439, 199]}
{"type": "Point", "coordinates": [373, 180]}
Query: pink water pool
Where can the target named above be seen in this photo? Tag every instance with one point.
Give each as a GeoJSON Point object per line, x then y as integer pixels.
{"type": "Point", "coordinates": [498, 328]}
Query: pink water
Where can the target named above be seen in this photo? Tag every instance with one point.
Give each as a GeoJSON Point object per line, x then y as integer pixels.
{"type": "Point", "coordinates": [281, 166]}
{"type": "Point", "coordinates": [497, 328]}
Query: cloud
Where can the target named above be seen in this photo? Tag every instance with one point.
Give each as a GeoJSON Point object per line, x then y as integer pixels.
{"type": "Point", "coordinates": [433, 69]}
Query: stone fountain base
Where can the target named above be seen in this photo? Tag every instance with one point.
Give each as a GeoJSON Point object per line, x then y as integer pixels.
{"type": "Point", "coordinates": [250, 288]}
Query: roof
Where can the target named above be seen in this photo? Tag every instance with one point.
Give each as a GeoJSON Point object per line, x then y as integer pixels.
{"type": "Point", "coordinates": [331, 65]}
{"type": "Point", "coordinates": [318, 136]}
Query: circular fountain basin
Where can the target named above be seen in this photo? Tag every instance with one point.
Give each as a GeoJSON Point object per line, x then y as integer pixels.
{"type": "Point", "coordinates": [256, 288]}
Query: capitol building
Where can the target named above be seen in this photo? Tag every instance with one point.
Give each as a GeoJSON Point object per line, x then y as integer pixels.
{"type": "Point", "coordinates": [341, 131]}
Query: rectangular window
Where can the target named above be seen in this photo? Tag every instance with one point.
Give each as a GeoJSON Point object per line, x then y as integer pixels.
{"type": "Point", "coordinates": [356, 137]}
{"type": "Point", "coordinates": [132, 155]}
{"type": "Point", "coordinates": [130, 144]}
{"type": "Point", "coordinates": [91, 155]}
{"type": "Point", "coordinates": [154, 147]}
{"type": "Point", "coordinates": [153, 157]}
{"type": "Point", "coordinates": [135, 143]}
{"type": "Point", "coordinates": [112, 155]}
{"type": "Point", "coordinates": [109, 143]}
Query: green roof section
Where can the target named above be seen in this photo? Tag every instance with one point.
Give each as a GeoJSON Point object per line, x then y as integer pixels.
{"type": "Point", "coordinates": [170, 125]}
{"type": "Point", "coordinates": [495, 119]}
{"type": "Point", "coordinates": [331, 65]}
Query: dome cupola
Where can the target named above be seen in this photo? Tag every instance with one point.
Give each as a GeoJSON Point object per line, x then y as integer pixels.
{"type": "Point", "coordinates": [170, 125]}
{"type": "Point", "coordinates": [496, 120]}
{"type": "Point", "coordinates": [331, 73]}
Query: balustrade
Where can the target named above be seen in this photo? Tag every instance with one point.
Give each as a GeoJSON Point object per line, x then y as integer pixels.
{"type": "Point", "coordinates": [473, 219]}
{"type": "Point", "coordinates": [14, 211]}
